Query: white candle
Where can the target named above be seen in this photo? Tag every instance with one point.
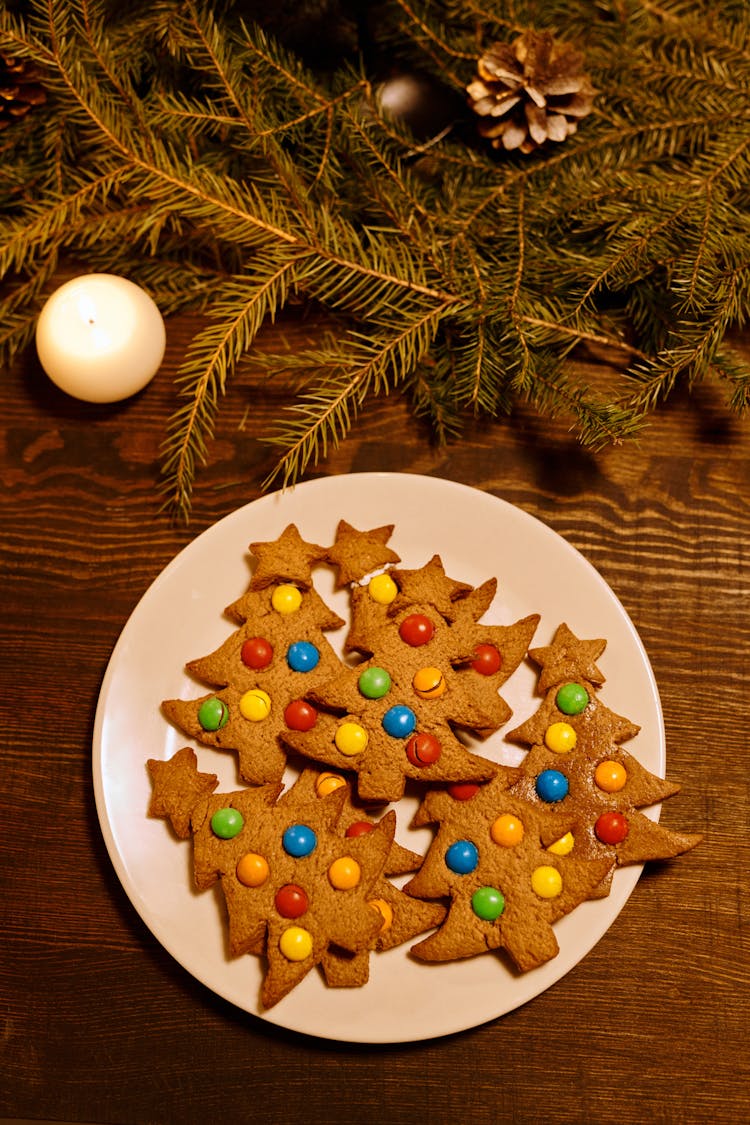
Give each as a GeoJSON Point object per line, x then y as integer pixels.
{"type": "Point", "coordinates": [100, 338]}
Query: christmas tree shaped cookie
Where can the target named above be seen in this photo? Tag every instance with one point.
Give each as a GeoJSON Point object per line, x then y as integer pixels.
{"type": "Point", "coordinates": [263, 670]}
{"type": "Point", "coordinates": [394, 715]}
{"type": "Point", "coordinates": [577, 767]}
{"type": "Point", "coordinates": [491, 857]}
{"type": "Point", "coordinates": [403, 917]}
{"type": "Point", "coordinates": [300, 888]}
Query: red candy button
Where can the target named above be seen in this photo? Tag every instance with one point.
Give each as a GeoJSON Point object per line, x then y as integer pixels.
{"type": "Point", "coordinates": [416, 630]}
{"type": "Point", "coordinates": [256, 652]}
{"type": "Point", "coordinates": [291, 901]}
{"type": "Point", "coordinates": [487, 660]}
{"type": "Point", "coordinates": [359, 828]}
{"type": "Point", "coordinates": [300, 715]}
{"type": "Point", "coordinates": [611, 828]}
{"type": "Point", "coordinates": [463, 790]}
{"type": "Point", "coordinates": [423, 749]}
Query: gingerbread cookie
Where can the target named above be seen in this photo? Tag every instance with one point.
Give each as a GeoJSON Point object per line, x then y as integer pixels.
{"type": "Point", "coordinates": [300, 888]}
{"type": "Point", "coordinates": [492, 857]}
{"type": "Point", "coordinates": [577, 767]}
{"type": "Point", "coordinates": [395, 716]}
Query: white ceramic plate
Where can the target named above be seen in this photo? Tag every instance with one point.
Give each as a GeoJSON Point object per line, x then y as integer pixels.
{"type": "Point", "coordinates": [180, 617]}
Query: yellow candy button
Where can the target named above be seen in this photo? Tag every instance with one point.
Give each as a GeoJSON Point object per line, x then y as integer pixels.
{"type": "Point", "coordinates": [563, 846]}
{"type": "Point", "coordinates": [507, 830]}
{"type": "Point", "coordinates": [328, 783]}
{"type": "Point", "coordinates": [344, 873]}
{"type": "Point", "coordinates": [252, 870]}
{"type": "Point", "coordinates": [428, 683]}
{"type": "Point", "coordinates": [350, 739]}
{"type": "Point", "coordinates": [610, 776]}
{"type": "Point", "coordinates": [385, 910]}
{"type": "Point", "coordinates": [255, 705]}
{"type": "Point", "coordinates": [296, 943]}
{"type": "Point", "coordinates": [560, 737]}
{"type": "Point", "coordinates": [382, 589]}
{"type": "Point", "coordinates": [286, 598]}
{"type": "Point", "coordinates": [546, 882]}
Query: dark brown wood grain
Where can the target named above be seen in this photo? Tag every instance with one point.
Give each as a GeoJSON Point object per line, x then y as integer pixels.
{"type": "Point", "coordinates": [99, 1024]}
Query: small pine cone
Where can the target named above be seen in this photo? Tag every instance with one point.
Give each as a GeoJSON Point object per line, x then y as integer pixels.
{"type": "Point", "coordinates": [530, 91]}
{"type": "Point", "coordinates": [20, 89]}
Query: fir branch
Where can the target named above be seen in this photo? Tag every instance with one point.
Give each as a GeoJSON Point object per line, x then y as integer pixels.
{"type": "Point", "coordinates": [202, 377]}
{"type": "Point", "coordinates": [323, 416]}
{"type": "Point", "coordinates": [207, 159]}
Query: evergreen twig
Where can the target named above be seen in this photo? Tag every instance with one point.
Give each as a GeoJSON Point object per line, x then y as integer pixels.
{"type": "Point", "coordinates": [190, 149]}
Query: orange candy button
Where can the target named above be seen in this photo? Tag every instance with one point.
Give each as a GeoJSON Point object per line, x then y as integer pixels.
{"type": "Point", "coordinates": [344, 873]}
{"type": "Point", "coordinates": [610, 776]}
{"type": "Point", "coordinates": [429, 683]}
{"type": "Point", "coordinates": [507, 830]}
{"type": "Point", "coordinates": [328, 783]}
{"type": "Point", "coordinates": [384, 909]}
{"type": "Point", "coordinates": [252, 870]}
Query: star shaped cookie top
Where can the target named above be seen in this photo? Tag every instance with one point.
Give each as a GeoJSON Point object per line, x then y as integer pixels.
{"type": "Point", "coordinates": [429, 584]}
{"type": "Point", "coordinates": [568, 658]}
{"type": "Point", "coordinates": [178, 787]}
{"type": "Point", "coordinates": [357, 553]}
{"type": "Point", "coordinates": [286, 559]}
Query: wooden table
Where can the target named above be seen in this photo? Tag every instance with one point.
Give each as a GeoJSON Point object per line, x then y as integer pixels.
{"type": "Point", "coordinates": [100, 1024]}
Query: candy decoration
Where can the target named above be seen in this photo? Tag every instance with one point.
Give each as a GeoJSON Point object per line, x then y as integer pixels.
{"type": "Point", "coordinates": [296, 943]}
{"type": "Point", "coordinates": [488, 903]}
{"type": "Point", "coordinates": [385, 910]}
{"type": "Point", "coordinates": [300, 715]}
{"type": "Point", "coordinates": [462, 857]}
{"type": "Point", "coordinates": [610, 776]}
{"type": "Point", "coordinates": [291, 901]}
{"type": "Point", "coordinates": [560, 738]}
{"type": "Point", "coordinates": [423, 749]}
{"type": "Point", "coordinates": [359, 828]}
{"type": "Point", "coordinates": [350, 739]}
{"type": "Point", "coordinates": [344, 873]}
{"type": "Point", "coordinates": [382, 589]}
{"type": "Point", "coordinates": [286, 599]}
{"type": "Point", "coordinates": [487, 660]}
{"type": "Point", "coordinates": [611, 828]}
{"type": "Point", "coordinates": [213, 714]}
{"type": "Point", "coordinates": [227, 823]}
{"type": "Point", "coordinates": [552, 785]}
{"type": "Point", "coordinates": [507, 830]}
{"type": "Point", "coordinates": [255, 705]}
{"type": "Point", "coordinates": [429, 683]}
{"type": "Point", "coordinates": [571, 699]}
{"type": "Point", "coordinates": [302, 656]}
{"type": "Point", "coordinates": [463, 790]}
{"type": "Point", "coordinates": [256, 653]}
{"type": "Point", "coordinates": [416, 630]}
{"type": "Point", "coordinates": [399, 721]}
{"type": "Point", "coordinates": [299, 840]}
{"type": "Point", "coordinates": [328, 783]}
{"type": "Point", "coordinates": [374, 683]}
{"type": "Point", "coordinates": [252, 870]}
{"type": "Point", "coordinates": [563, 846]}
{"type": "Point", "coordinates": [546, 882]}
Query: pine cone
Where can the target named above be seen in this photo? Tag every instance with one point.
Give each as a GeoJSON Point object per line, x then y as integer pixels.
{"type": "Point", "coordinates": [20, 89]}
{"type": "Point", "coordinates": [530, 91]}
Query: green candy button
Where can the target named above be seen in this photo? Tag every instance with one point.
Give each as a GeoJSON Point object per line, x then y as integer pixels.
{"type": "Point", "coordinates": [374, 683]}
{"type": "Point", "coordinates": [227, 823]}
{"type": "Point", "coordinates": [571, 699]}
{"type": "Point", "coordinates": [213, 714]}
{"type": "Point", "coordinates": [488, 903]}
